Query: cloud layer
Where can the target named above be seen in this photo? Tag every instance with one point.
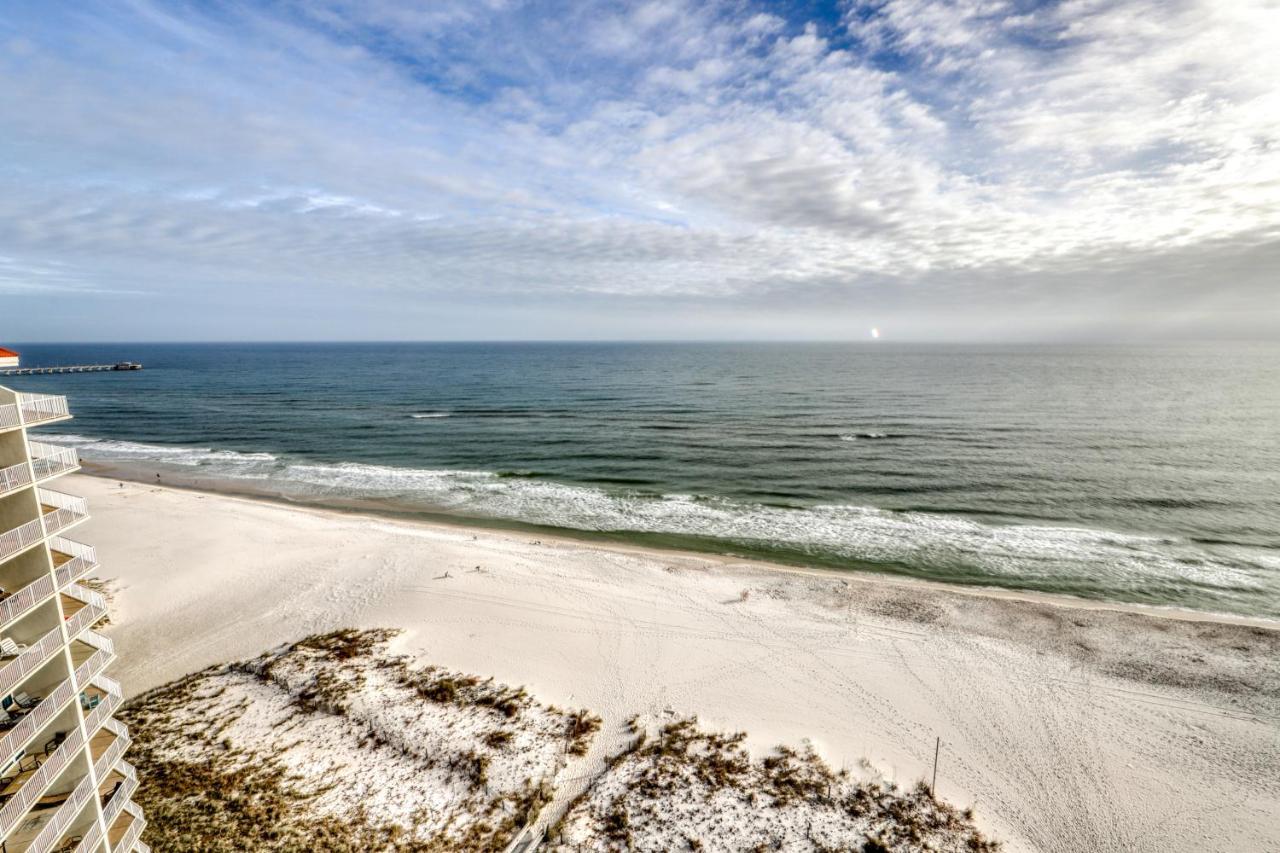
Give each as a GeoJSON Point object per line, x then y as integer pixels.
{"type": "Point", "coordinates": [953, 169]}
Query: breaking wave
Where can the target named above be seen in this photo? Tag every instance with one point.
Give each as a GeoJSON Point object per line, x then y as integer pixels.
{"type": "Point", "coordinates": [1082, 561]}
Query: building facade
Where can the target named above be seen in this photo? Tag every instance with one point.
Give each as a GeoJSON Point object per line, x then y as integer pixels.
{"type": "Point", "coordinates": [8, 358]}
{"type": "Point", "coordinates": [64, 784]}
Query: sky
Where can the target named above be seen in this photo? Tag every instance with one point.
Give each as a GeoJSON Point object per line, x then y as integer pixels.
{"type": "Point", "coordinates": [980, 170]}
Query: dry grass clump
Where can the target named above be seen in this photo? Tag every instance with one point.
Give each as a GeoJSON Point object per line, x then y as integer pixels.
{"type": "Point", "coordinates": [439, 685]}
{"type": "Point", "coordinates": [332, 744]}
{"type": "Point", "coordinates": [686, 788]}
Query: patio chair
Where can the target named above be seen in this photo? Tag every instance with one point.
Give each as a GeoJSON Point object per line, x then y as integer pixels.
{"type": "Point", "coordinates": [54, 742]}
{"type": "Point", "coordinates": [88, 702]}
{"type": "Point", "coordinates": [11, 649]}
{"type": "Point", "coordinates": [106, 798]}
{"type": "Point", "coordinates": [22, 700]}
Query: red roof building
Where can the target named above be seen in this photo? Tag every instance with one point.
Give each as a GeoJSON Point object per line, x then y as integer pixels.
{"type": "Point", "coordinates": [8, 358]}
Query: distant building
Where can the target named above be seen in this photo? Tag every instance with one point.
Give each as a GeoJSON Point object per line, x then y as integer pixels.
{"type": "Point", "coordinates": [8, 358]}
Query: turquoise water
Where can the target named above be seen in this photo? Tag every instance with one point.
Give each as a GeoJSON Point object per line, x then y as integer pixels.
{"type": "Point", "coordinates": [1139, 474]}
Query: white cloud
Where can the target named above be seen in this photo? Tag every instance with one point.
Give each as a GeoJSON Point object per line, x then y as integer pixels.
{"type": "Point", "coordinates": [920, 152]}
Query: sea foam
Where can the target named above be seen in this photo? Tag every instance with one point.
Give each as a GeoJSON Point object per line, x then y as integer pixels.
{"type": "Point", "coordinates": [1087, 561]}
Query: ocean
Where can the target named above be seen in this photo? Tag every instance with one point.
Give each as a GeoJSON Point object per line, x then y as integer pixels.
{"type": "Point", "coordinates": [1147, 474]}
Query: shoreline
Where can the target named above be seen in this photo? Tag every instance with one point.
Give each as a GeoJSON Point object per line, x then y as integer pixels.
{"type": "Point", "coordinates": [388, 513]}
{"type": "Point", "coordinates": [1066, 725]}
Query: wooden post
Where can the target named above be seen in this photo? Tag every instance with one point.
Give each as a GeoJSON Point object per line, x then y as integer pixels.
{"type": "Point", "coordinates": [933, 789]}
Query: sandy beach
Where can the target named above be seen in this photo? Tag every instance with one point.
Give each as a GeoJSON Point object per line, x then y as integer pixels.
{"type": "Point", "coordinates": [1065, 726]}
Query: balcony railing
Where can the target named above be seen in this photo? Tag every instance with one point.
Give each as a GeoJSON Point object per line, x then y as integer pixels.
{"type": "Point", "coordinates": [50, 460]}
{"type": "Point", "coordinates": [64, 816]}
{"type": "Point", "coordinates": [91, 839]}
{"type": "Point", "coordinates": [113, 807]}
{"type": "Point", "coordinates": [105, 709]}
{"type": "Point", "coordinates": [14, 477]}
{"type": "Point", "coordinates": [21, 537]}
{"type": "Point", "coordinates": [9, 416]}
{"type": "Point", "coordinates": [36, 718]}
{"type": "Point", "coordinates": [105, 762]}
{"type": "Point", "coordinates": [86, 616]}
{"type": "Point", "coordinates": [24, 599]}
{"type": "Point", "coordinates": [111, 686]}
{"type": "Point", "coordinates": [28, 660]}
{"type": "Point", "coordinates": [131, 835]}
{"type": "Point", "coordinates": [38, 408]}
{"type": "Point", "coordinates": [67, 509]}
{"type": "Point", "coordinates": [99, 659]}
{"type": "Point", "coordinates": [84, 559]}
{"type": "Point", "coordinates": [85, 596]}
{"type": "Point", "coordinates": [38, 782]}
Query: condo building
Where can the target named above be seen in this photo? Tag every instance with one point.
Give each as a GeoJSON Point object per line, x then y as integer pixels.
{"type": "Point", "coordinates": [64, 784]}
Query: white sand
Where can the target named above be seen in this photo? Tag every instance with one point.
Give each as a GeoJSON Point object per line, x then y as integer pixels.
{"type": "Point", "coordinates": [1066, 727]}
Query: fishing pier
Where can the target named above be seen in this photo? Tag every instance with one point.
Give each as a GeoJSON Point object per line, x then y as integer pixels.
{"type": "Point", "coordinates": [70, 368]}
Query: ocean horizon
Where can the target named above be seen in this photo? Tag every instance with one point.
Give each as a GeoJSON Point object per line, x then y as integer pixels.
{"type": "Point", "coordinates": [1126, 473]}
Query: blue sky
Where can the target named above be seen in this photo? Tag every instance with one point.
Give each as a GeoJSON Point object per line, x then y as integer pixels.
{"type": "Point", "coordinates": [971, 170]}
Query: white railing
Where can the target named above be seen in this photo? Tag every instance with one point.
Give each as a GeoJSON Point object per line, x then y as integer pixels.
{"type": "Point", "coordinates": [98, 641]}
{"type": "Point", "coordinates": [85, 596]}
{"type": "Point", "coordinates": [96, 662]}
{"type": "Point", "coordinates": [105, 709]}
{"type": "Point", "coordinates": [50, 460]}
{"type": "Point", "coordinates": [84, 559]}
{"type": "Point", "coordinates": [9, 416]}
{"type": "Point", "coordinates": [36, 718]}
{"type": "Point", "coordinates": [14, 477]}
{"type": "Point", "coordinates": [103, 765]}
{"type": "Point", "coordinates": [111, 686]}
{"type": "Point", "coordinates": [116, 727]}
{"type": "Point", "coordinates": [114, 805]}
{"type": "Point", "coordinates": [91, 839]}
{"type": "Point", "coordinates": [24, 599]}
{"type": "Point", "coordinates": [84, 618]}
{"type": "Point", "coordinates": [63, 817]}
{"type": "Point", "coordinates": [35, 786]}
{"type": "Point", "coordinates": [131, 835]}
{"type": "Point", "coordinates": [141, 847]}
{"type": "Point", "coordinates": [37, 408]}
{"type": "Point", "coordinates": [68, 509]}
{"type": "Point", "coordinates": [30, 658]}
{"type": "Point", "coordinates": [24, 536]}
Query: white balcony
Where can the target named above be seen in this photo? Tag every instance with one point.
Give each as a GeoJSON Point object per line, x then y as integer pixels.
{"type": "Point", "coordinates": [34, 786]}
{"type": "Point", "coordinates": [19, 603]}
{"type": "Point", "coordinates": [90, 656]}
{"type": "Point", "coordinates": [61, 510]}
{"type": "Point", "coordinates": [20, 538]}
{"type": "Point", "coordinates": [124, 833]}
{"type": "Point", "coordinates": [51, 460]}
{"type": "Point", "coordinates": [15, 477]}
{"type": "Point", "coordinates": [14, 669]}
{"type": "Point", "coordinates": [71, 560]}
{"type": "Point", "coordinates": [42, 408]}
{"type": "Point", "coordinates": [112, 808]}
{"type": "Point", "coordinates": [62, 819]}
{"type": "Point", "coordinates": [82, 608]}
